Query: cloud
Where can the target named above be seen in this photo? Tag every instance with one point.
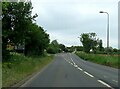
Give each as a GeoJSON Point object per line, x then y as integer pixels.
{"type": "Point", "coordinates": [67, 19]}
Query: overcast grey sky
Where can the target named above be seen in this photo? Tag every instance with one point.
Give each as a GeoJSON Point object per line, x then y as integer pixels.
{"type": "Point", "coordinates": [65, 20]}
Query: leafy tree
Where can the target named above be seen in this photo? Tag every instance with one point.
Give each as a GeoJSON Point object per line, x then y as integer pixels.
{"type": "Point", "coordinates": [79, 48]}
{"type": "Point", "coordinates": [71, 49]}
{"type": "Point", "coordinates": [15, 19]}
{"type": "Point", "coordinates": [100, 47]}
{"type": "Point", "coordinates": [36, 40]}
{"type": "Point", "coordinates": [89, 41]}
{"type": "Point", "coordinates": [62, 47]}
{"type": "Point", "coordinates": [115, 50]}
{"type": "Point", "coordinates": [18, 28]}
{"type": "Point", "coordinates": [55, 47]}
{"type": "Point", "coordinates": [51, 49]}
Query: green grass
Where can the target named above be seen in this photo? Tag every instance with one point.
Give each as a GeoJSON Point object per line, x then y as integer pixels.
{"type": "Point", "coordinates": [108, 60]}
{"type": "Point", "coordinates": [21, 67]}
{"type": "Point", "coordinates": [0, 75]}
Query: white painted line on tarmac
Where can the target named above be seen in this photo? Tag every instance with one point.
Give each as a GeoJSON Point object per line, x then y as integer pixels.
{"type": "Point", "coordinates": [105, 84]}
{"type": "Point", "coordinates": [80, 69]}
{"type": "Point", "coordinates": [72, 60]}
{"type": "Point", "coordinates": [75, 65]}
{"type": "Point", "coordinates": [71, 64]}
{"type": "Point", "coordinates": [115, 81]}
{"type": "Point", "coordinates": [88, 74]}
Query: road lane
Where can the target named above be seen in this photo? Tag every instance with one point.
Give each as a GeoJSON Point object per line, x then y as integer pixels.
{"type": "Point", "coordinates": [61, 73]}
{"type": "Point", "coordinates": [104, 73]}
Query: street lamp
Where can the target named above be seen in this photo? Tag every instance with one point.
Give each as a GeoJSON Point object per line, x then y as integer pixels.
{"type": "Point", "coordinates": [107, 27]}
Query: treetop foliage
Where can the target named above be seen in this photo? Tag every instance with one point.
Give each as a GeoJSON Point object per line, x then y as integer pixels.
{"type": "Point", "coordinates": [89, 41]}
{"type": "Point", "coordinates": [18, 28]}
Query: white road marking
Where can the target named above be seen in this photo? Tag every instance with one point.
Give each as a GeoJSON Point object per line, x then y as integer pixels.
{"type": "Point", "coordinates": [115, 81]}
{"type": "Point", "coordinates": [71, 64]}
{"type": "Point", "coordinates": [88, 74]}
{"type": "Point", "coordinates": [75, 65]}
{"type": "Point", "coordinates": [105, 84]}
{"type": "Point", "coordinates": [80, 69]}
{"type": "Point", "coordinates": [72, 60]}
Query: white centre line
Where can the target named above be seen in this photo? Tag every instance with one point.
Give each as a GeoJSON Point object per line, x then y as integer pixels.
{"type": "Point", "coordinates": [71, 64]}
{"type": "Point", "coordinates": [72, 60]}
{"type": "Point", "coordinates": [80, 69]}
{"type": "Point", "coordinates": [75, 65]}
{"type": "Point", "coordinates": [88, 74]}
{"type": "Point", "coordinates": [105, 84]}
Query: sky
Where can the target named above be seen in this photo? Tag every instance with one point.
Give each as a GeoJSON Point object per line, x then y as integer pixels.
{"type": "Point", "coordinates": [66, 20]}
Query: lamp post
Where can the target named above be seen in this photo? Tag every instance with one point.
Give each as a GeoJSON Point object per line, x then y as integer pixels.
{"type": "Point", "coordinates": [107, 28]}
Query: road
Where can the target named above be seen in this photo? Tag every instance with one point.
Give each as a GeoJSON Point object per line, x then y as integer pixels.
{"type": "Point", "coordinates": [68, 70]}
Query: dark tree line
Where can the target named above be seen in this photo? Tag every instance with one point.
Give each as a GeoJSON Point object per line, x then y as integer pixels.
{"type": "Point", "coordinates": [55, 47]}
{"type": "Point", "coordinates": [18, 29]}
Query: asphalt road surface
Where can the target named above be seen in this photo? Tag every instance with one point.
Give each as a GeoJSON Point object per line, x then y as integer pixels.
{"type": "Point", "coordinates": [68, 70]}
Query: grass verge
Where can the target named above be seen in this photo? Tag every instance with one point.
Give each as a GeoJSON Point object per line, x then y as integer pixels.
{"type": "Point", "coordinates": [0, 75]}
{"type": "Point", "coordinates": [108, 60]}
{"type": "Point", "coordinates": [20, 67]}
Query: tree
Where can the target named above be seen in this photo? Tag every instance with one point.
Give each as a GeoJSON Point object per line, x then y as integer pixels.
{"type": "Point", "coordinates": [79, 48]}
{"type": "Point", "coordinates": [62, 47]}
{"type": "Point", "coordinates": [16, 17]}
{"type": "Point", "coordinates": [53, 47]}
{"type": "Point", "coordinates": [89, 41]}
{"type": "Point", "coordinates": [18, 28]}
{"type": "Point", "coordinates": [115, 50]}
{"type": "Point", "coordinates": [100, 47]}
{"type": "Point", "coordinates": [36, 40]}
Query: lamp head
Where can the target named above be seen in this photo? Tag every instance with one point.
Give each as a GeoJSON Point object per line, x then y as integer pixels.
{"type": "Point", "coordinates": [101, 12]}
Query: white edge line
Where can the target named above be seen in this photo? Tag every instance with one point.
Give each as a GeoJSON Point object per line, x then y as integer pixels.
{"type": "Point", "coordinates": [88, 74]}
{"type": "Point", "coordinates": [104, 83]}
{"type": "Point", "coordinates": [114, 81]}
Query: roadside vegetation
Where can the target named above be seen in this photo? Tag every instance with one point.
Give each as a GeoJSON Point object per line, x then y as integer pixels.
{"type": "Point", "coordinates": [26, 46]}
{"type": "Point", "coordinates": [104, 59]}
{"type": "Point", "coordinates": [24, 43]}
{"type": "Point", "coordinates": [92, 50]}
{"type": "Point", "coordinates": [21, 67]}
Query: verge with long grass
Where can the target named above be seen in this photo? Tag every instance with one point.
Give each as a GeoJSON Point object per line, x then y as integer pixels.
{"type": "Point", "coordinates": [21, 66]}
{"type": "Point", "coordinates": [104, 59]}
